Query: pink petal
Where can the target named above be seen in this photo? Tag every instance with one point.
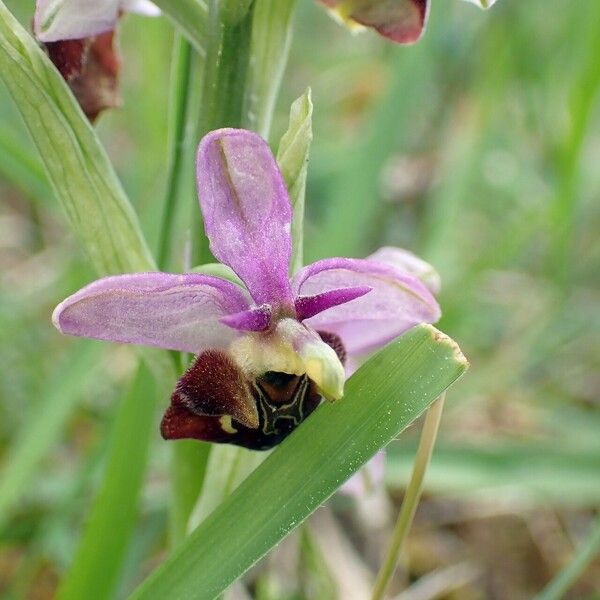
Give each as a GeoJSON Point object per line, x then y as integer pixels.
{"type": "Point", "coordinates": [397, 302]}
{"type": "Point", "coordinates": [309, 306]}
{"type": "Point", "coordinates": [410, 263]}
{"type": "Point", "coordinates": [177, 312]}
{"type": "Point", "coordinates": [247, 212]}
{"type": "Point", "coordinates": [73, 19]}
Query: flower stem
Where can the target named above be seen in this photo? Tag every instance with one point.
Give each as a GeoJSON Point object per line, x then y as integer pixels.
{"type": "Point", "coordinates": [247, 49]}
{"type": "Point", "coordinates": [223, 89]}
{"type": "Point", "coordinates": [411, 498]}
{"type": "Point", "coordinates": [180, 86]}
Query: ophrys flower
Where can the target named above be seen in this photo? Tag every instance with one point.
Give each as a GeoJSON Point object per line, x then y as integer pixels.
{"type": "Point", "coordinates": [270, 345]}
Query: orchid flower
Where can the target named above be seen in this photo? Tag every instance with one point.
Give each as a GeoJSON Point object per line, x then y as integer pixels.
{"type": "Point", "coordinates": [401, 21]}
{"type": "Point", "coordinates": [57, 20]}
{"type": "Point", "coordinates": [269, 346]}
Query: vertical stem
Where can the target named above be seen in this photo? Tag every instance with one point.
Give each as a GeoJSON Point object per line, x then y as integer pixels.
{"type": "Point", "coordinates": [225, 69]}
{"type": "Point", "coordinates": [247, 47]}
{"type": "Point", "coordinates": [271, 38]}
{"type": "Point", "coordinates": [188, 459]}
{"type": "Point", "coordinates": [188, 469]}
{"type": "Point", "coordinates": [178, 105]}
{"type": "Point", "coordinates": [411, 499]}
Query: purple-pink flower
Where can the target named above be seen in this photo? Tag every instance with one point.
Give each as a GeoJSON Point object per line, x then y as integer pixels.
{"type": "Point", "coordinates": [269, 345]}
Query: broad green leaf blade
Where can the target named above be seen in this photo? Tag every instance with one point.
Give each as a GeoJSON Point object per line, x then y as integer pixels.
{"type": "Point", "coordinates": [189, 16]}
{"type": "Point", "coordinates": [76, 163]}
{"type": "Point", "coordinates": [292, 156]}
{"type": "Point", "coordinates": [42, 430]}
{"type": "Point", "coordinates": [269, 47]}
{"type": "Point", "coordinates": [382, 398]}
{"type": "Point", "coordinates": [103, 547]}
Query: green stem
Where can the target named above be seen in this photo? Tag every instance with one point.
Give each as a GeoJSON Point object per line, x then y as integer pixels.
{"type": "Point", "coordinates": [589, 550]}
{"type": "Point", "coordinates": [246, 52]}
{"type": "Point", "coordinates": [110, 525]}
{"type": "Point", "coordinates": [180, 91]}
{"type": "Point", "coordinates": [225, 69]}
{"type": "Point", "coordinates": [188, 469]}
{"type": "Point", "coordinates": [271, 37]}
{"type": "Point", "coordinates": [411, 499]}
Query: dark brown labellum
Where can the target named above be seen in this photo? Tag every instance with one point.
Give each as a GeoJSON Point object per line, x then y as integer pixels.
{"type": "Point", "coordinates": [214, 402]}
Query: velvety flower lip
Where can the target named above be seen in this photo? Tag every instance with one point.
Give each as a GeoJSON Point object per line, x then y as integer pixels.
{"type": "Point", "coordinates": [303, 326]}
{"type": "Point", "coordinates": [75, 19]}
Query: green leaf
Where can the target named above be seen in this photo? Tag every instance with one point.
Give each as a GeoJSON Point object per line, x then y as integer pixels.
{"type": "Point", "coordinates": [269, 47]}
{"type": "Point", "coordinates": [292, 156]}
{"type": "Point", "coordinates": [103, 547]}
{"type": "Point", "coordinates": [76, 164]}
{"type": "Point", "coordinates": [382, 398]}
{"type": "Point", "coordinates": [42, 430]}
{"type": "Point", "coordinates": [189, 16]}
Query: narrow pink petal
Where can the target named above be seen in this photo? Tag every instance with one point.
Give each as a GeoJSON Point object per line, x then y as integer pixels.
{"type": "Point", "coordinates": [177, 312]}
{"type": "Point", "coordinates": [73, 19]}
{"type": "Point", "coordinates": [397, 302]}
{"type": "Point", "coordinates": [253, 319]}
{"type": "Point", "coordinates": [309, 306]}
{"type": "Point", "coordinates": [247, 212]}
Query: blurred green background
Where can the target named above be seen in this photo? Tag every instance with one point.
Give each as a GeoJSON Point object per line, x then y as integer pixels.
{"type": "Point", "coordinates": [478, 149]}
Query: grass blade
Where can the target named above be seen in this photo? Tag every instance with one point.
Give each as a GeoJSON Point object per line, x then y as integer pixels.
{"type": "Point", "coordinates": [383, 397]}
{"type": "Point", "coordinates": [41, 432]}
{"type": "Point", "coordinates": [589, 549]}
{"type": "Point", "coordinates": [104, 543]}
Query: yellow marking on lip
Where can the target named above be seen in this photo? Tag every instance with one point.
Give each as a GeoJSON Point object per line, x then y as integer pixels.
{"type": "Point", "coordinates": [226, 424]}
